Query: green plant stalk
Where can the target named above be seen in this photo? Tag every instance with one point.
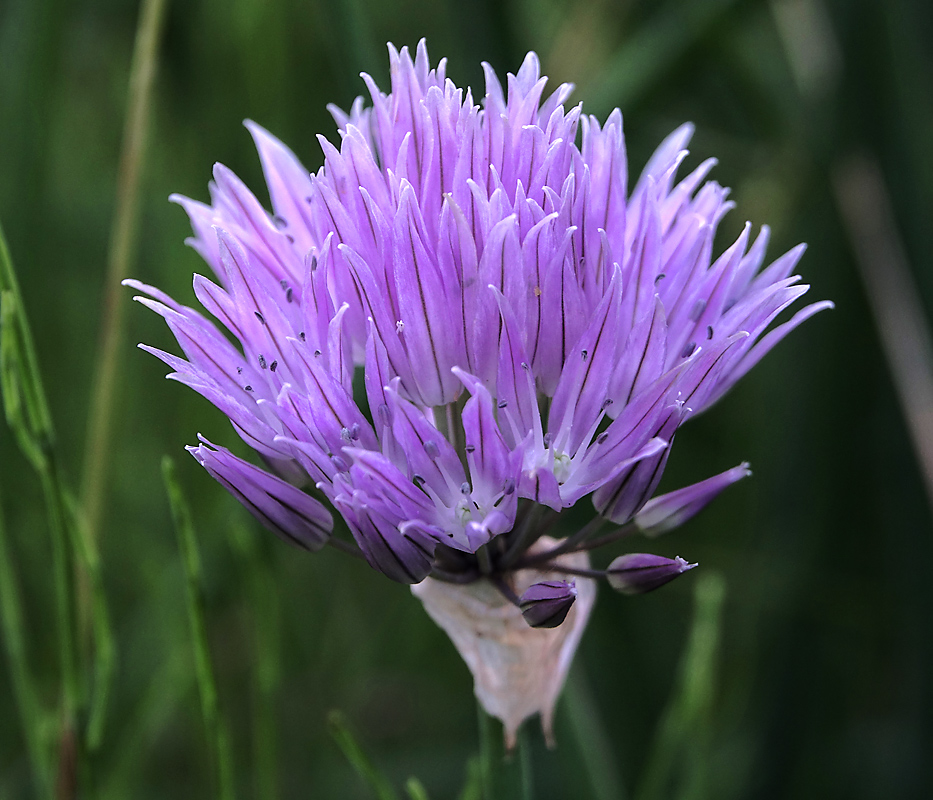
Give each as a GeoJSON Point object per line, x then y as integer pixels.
{"type": "Point", "coordinates": [105, 652]}
{"type": "Point", "coordinates": [24, 690]}
{"type": "Point", "coordinates": [526, 763]}
{"type": "Point", "coordinates": [416, 790]}
{"type": "Point", "coordinates": [28, 416]}
{"type": "Point", "coordinates": [27, 412]}
{"type": "Point", "coordinates": [592, 741]}
{"type": "Point", "coordinates": [265, 615]}
{"type": "Point", "coordinates": [487, 752]}
{"type": "Point", "coordinates": [122, 242]}
{"type": "Point", "coordinates": [218, 740]}
{"type": "Point", "coordinates": [342, 735]}
{"type": "Point", "coordinates": [683, 729]}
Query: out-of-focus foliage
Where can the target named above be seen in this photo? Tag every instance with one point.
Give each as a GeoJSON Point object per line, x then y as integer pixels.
{"type": "Point", "coordinates": [823, 684]}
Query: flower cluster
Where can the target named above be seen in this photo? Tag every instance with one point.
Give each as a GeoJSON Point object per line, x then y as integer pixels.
{"type": "Point", "coordinates": [464, 323]}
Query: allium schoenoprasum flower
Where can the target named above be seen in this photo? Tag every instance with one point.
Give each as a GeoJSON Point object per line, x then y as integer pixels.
{"type": "Point", "coordinates": [531, 332]}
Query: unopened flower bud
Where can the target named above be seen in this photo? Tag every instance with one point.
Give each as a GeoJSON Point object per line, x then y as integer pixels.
{"type": "Point", "coordinates": [545, 604]}
{"type": "Point", "coordinates": [637, 573]}
{"type": "Point", "coordinates": [669, 511]}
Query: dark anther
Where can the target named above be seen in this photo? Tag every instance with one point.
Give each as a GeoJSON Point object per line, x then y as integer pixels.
{"type": "Point", "coordinates": [584, 353]}
{"type": "Point", "coordinates": [602, 437]}
{"type": "Point", "coordinates": [502, 403]}
{"type": "Point", "coordinates": [430, 447]}
{"type": "Point", "coordinates": [607, 402]}
{"type": "Point", "coordinates": [345, 434]}
{"type": "Point", "coordinates": [709, 331]}
{"type": "Point", "coordinates": [262, 362]}
{"type": "Point", "coordinates": [313, 263]}
{"type": "Point", "coordinates": [660, 277]}
{"type": "Point", "coordinates": [288, 294]}
{"type": "Point", "coordinates": [279, 222]}
{"type": "Point", "coordinates": [239, 370]}
{"type": "Point", "coordinates": [698, 308]}
{"type": "Point", "coordinates": [509, 487]}
{"type": "Point", "coordinates": [273, 366]}
{"type": "Point", "coordinates": [248, 388]}
{"type": "Point", "coordinates": [291, 239]}
{"type": "Point", "coordinates": [317, 352]}
{"type": "Point", "coordinates": [301, 336]}
{"type": "Point", "coordinates": [525, 366]}
{"type": "Point", "coordinates": [688, 350]}
{"type": "Point", "coordinates": [465, 488]}
{"type": "Point", "coordinates": [283, 283]}
{"type": "Point", "coordinates": [470, 448]}
{"type": "Point", "coordinates": [548, 438]}
{"type": "Point", "coordinates": [418, 480]}
{"type": "Point", "coordinates": [260, 318]}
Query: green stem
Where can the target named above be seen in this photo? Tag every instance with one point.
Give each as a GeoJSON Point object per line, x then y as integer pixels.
{"type": "Point", "coordinates": [488, 752]}
{"type": "Point", "coordinates": [122, 241]}
{"type": "Point", "coordinates": [526, 763]}
{"type": "Point", "coordinates": [24, 689]}
{"type": "Point", "coordinates": [218, 740]}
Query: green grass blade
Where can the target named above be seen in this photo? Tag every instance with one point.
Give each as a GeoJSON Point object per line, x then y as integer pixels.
{"type": "Point", "coordinates": [105, 650]}
{"type": "Point", "coordinates": [122, 240]}
{"type": "Point", "coordinates": [681, 746]}
{"type": "Point", "coordinates": [266, 613]}
{"type": "Point", "coordinates": [24, 689]}
{"type": "Point", "coordinates": [342, 735]}
{"type": "Point", "coordinates": [652, 52]}
{"type": "Point", "coordinates": [416, 790]}
{"type": "Point", "coordinates": [217, 736]}
{"type": "Point", "coordinates": [592, 740]}
{"type": "Point", "coordinates": [35, 405]}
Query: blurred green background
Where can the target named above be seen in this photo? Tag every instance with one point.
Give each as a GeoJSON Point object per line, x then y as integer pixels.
{"type": "Point", "coordinates": [823, 684]}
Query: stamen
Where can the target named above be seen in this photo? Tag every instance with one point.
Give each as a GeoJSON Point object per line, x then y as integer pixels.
{"type": "Point", "coordinates": [262, 362]}
{"type": "Point", "coordinates": [260, 318]}
{"type": "Point", "coordinates": [273, 366]}
{"type": "Point", "coordinates": [430, 447]}
{"type": "Point", "coordinates": [688, 350]}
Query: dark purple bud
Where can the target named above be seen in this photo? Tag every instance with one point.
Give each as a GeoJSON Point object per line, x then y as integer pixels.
{"type": "Point", "coordinates": [637, 573]}
{"type": "Point", "coordinates": [668, 511]}
{"type": "Point", "coordinates": [545, 604]}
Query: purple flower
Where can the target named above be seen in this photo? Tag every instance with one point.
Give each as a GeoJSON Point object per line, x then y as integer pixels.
{"type": "Point", "coordinates": [528, 330]}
